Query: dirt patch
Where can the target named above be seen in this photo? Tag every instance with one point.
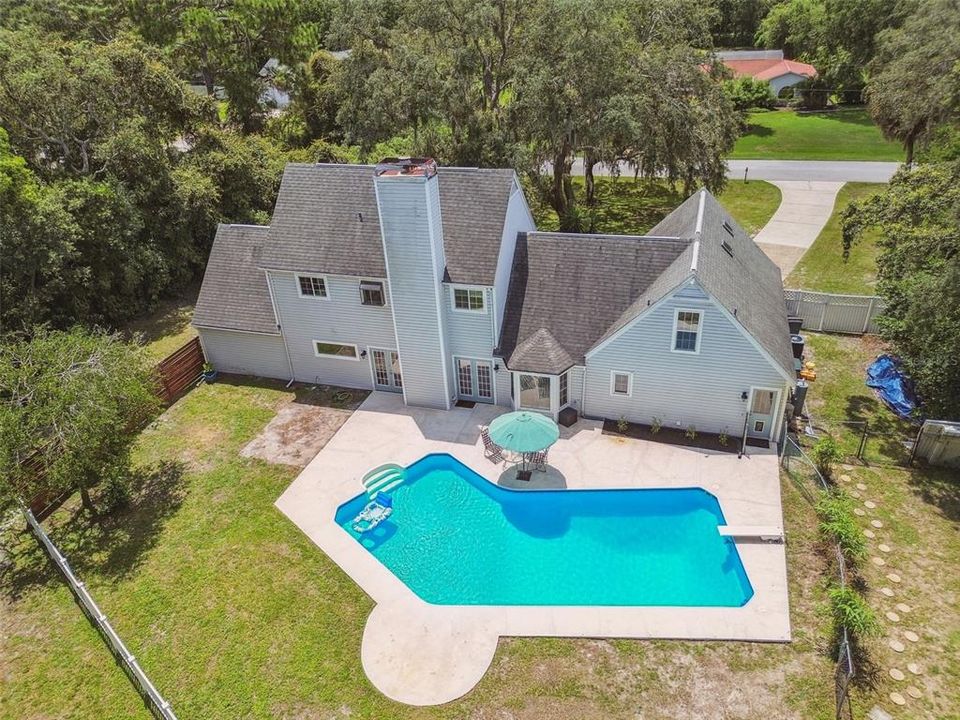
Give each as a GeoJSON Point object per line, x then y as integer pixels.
{"type": "Point", "coordinates": [674, 436]}
{"type": "Point", "coordinates": [304, 425]}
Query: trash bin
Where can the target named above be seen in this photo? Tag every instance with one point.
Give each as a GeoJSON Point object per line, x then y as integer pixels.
{"type": "Point", "coordinates": [799, 396]}
{"type": "Point", "coordinates": [795, 324]}
{"type": "Point", "coordinates": [797, 342]}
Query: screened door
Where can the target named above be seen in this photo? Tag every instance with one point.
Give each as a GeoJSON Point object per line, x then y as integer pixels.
{"type": "Point", "coordinates": [386, 370]}
{"type": "Point", "coordinates": [474, 379]}
{"type": "Point", "coordinates": [763, 403]}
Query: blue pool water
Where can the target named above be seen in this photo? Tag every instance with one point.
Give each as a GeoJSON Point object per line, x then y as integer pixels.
{"type": "Point", "coordinates": [456, 539]}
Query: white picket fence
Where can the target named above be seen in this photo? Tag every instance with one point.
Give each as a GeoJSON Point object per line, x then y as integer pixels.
{"type": "Point", "coordinates": [829, 312]}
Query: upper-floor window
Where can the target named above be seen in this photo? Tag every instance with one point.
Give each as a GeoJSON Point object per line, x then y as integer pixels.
{"type": "Point", "coordinates": [686, 331]}
{"type": "Point", "coordinates": [371, 293]}
{"type": "Point", "coordinates": [467, 299]}
{"type": "Point", "coordinates": [312, 286]}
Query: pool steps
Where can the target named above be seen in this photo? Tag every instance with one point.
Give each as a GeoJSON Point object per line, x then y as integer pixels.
{"type": "Point", "coordinates": [765, 533]}
{"type": "Point", "coordinates": [383, 479]}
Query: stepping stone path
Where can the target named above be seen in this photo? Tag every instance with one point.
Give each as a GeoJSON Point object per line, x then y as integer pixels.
{"type": "Point", "coordinates": [903, 607]}
{"type": "Point", "coordinates": [911, 636]}
{"type": "Point", "coordinates": [878, 561]}
{"type": "Point", "coordinates": [869, 534]}
{"type": "Point", "coordinates": [897, 674]}
{"type": "Point", "coordinates": [893, 577]}
{"type": "Point", "coordinates": [844, 478]}
{"type": "Point", "coordinates": [877, 524]}
{"type": "Point", "coordinates": [914, 668]}
{"type": "Point", "coordinates": [897, 646]}
{"type": "Point", "coordinates": [855, 494]}
{"type": "Point", "coordinates": [883, 548]}
{"type": "Point", "coordinates": [914, 692]}
{"type": "Point", "coordinates": [887, 591]}
{"type": "Point", "coordinates": [892, 616]}
{"type": "Point", "coordinates": [869, 504]}
{"type": "Point", "coordinates": [898, 699]}
{"type": "Point", "coordinates": [859, 511]}
{"type": "Point", "coordinates": [861, 486]}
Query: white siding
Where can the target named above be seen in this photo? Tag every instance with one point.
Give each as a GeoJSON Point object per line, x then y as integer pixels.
{"type": "Point", "coordinates": [518, 219]}
{"type": "Point", "coordinates": [469, 333]}
{"type": "Point", "coordinates": [245, 353]}
{"type": "Point", "coordinates": [575, 377]}
{"type": "Point", "coordinates": [681, 389]}
{"type": "Point", "coordinates": [338, 318]}
{"type": "Point", "coordinates": [504, 381]}
{"type": "Point", "coordinates": [413, 246]}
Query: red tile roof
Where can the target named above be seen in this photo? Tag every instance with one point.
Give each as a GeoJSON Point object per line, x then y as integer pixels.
{"type": "Point", "coordinates": [769, 69]}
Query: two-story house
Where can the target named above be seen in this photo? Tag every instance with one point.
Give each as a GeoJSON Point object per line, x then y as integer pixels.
{"type": "Point", "coordinates": [434, 283]}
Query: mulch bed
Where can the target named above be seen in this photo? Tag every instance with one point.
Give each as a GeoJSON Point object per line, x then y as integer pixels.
{"type": "Point", "coordinates": [673, 436]}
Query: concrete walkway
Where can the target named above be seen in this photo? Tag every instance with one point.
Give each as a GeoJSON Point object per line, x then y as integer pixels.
{"type": "Point", "coordinates": [805, 207]}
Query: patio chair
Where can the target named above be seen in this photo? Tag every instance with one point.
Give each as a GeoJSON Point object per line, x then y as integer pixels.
{"type": "Point", "coordinates": [539, 461]}
{"type": "Point", "coordinates": [491, 450]}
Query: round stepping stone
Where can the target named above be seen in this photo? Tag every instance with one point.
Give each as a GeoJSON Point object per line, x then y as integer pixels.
{"type": "Point", "coordinates": [897, 646]}
{"type": "Point", "coordinates": [861, 486]}
{"type": "Point", "coordinates": [878, 561]}
{"type": "Point", "coordinates": [892, 616]}
{"type": "Point", "coordinates": [877, 524]}
{"type": "Point", "coordinates": [883, 547]}
{"type": "Point", "coordinates": [914, 668]}
{"type": "Point", "coordinates": [869, 534]}
{"type": "Point", "coordinates": [897, 674]}
{"type": "Point", "coordinates": [859, 512]}
{"type": "Point", "coordinates": [898, 699]}
{"type": "Point", "coordinates": [911, 636]}
{"type": "Point", "coordinates": [869, 504]}
{"type": "Point", "coordinates": [893, 577]}
{"type": "Point", "coordinates": [903, 607]}
{"type": "Point", "coordinates": [855, 494]}
{"type": "Point", "coordinates": [887, 591]}
{"type": "Point", "coordinates": [914, 692]}
{"type": "Point", "coordinates": [844, 478]}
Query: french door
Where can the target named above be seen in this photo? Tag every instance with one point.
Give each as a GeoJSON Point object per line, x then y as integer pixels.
{"type": "Point", "coordinates": [474, 379]}
{"type": "Point", "coordinates": [386, 370]}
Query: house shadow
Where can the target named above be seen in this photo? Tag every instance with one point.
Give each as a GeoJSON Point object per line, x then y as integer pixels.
{"type": "Point", "coordinates": [111, 546]}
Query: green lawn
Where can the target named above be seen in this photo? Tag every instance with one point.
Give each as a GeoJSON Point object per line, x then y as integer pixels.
{"type": "Point", "coordinates": [234, 613]}
{"type": "Point", "coordinates": [845, 134]}
{"type": "Point", "coordinates": [823, 268]}
{"type": "Point", "coordinates": [631, 207]}
{"type": "Point", "coordinates": [919, 509]}
{"type": "Point", "coordinates": [166, 328]}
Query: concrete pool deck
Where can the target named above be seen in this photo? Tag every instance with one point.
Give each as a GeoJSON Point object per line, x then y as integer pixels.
{"type": "Point", "coordinates": [423, 654]}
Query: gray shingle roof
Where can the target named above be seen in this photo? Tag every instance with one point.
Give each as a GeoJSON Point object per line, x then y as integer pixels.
{"type": "Point", "coordinates": [326, 221]}
{"type": "Point", "coordinates": [566, 290]}
{"type": "Point", "coordinates": [234, 294]}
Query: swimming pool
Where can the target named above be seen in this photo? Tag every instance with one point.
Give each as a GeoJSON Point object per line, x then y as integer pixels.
{"type": "Point", "coordinates": [455, 538]}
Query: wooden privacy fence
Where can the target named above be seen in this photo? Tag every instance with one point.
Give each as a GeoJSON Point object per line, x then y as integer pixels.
{"type": "Point", "coordinates": [938, 442]}
{"type": "Point", "coordinates": [828, 312]}
{"type": "Point", "coordinates": [179, 370]}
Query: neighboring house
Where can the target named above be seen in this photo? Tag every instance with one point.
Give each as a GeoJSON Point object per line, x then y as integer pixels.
{"type": "Point", "coordinates": [435, 283]}
{"type": "Point", "coordinates": [768, 65]}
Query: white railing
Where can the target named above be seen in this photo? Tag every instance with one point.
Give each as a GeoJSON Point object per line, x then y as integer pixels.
{"type": "Point", "coordinates": [155, 701]}
{"type": "Point", "coordinates": [830, 312]}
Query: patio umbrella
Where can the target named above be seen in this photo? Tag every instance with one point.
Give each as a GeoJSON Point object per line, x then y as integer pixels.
{"type": "Point", "coordinates": [524, 432]}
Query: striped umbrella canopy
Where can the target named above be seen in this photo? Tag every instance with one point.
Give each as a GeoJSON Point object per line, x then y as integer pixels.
{"type": "Point", "coordinates": [524, 432]}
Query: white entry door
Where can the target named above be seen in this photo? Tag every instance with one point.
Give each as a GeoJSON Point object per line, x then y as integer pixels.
{"type": "Point", "coordinates": [474, 379]}
{"type": "Point", "coordinates": [386, 370]}
{"type": "Point", "coordinates": [763, 405]}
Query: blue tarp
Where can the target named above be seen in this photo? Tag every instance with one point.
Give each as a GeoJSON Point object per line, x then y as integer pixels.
{"type": "Point", "coordinates": [893, 387]}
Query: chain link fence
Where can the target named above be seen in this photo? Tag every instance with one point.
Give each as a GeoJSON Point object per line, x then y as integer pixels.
{"type": "Point", "coordinates": [810, 483]}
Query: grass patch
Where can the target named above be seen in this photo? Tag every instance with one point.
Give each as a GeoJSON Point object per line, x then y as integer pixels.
{"type": "Point", "coordinates": [166, 328]}
{"type": "Point", "coordinates": [844, 134]}
{"type": "Point", "coordinates": [823, 268]}
{"type": "Point", "coordinates": [631, 207]}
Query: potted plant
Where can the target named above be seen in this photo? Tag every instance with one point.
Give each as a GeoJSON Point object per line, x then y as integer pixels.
{"type": "Point", "coordinates": [209, 373]}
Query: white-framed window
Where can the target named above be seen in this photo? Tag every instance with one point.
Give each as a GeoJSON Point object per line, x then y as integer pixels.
{"type": "Point", "coordinates": [564, 390]}
{"type": "Point", "coordinates": [312, 286]}
{"type": "Point", "coordinates": [687, 325]}
{"type": "Point", "coordinates": [468, 299]}
{"type": "Point", "coordinates": [621, 383]}
{"type": "Point", "coordinates": [534, 391]}
{"type": "Point", "coordinates": [371, 293]}
{"type": "Point", "coordinates": [342, 351]}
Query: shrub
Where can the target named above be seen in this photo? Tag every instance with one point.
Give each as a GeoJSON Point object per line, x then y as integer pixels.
{"type": "Point", "coordinates": [723, 438]}
{"type": "Point", "coordinates": [747, 92]}
{"type": "Point", "coordinates": [655, 424]}
{"type": "Point", "coordinates": [824, 454]}
{"type": "Point", "coordinates": [622, 424]}
{"type": "Point", "coordinates": [849, 610]}
{"type": "Point", "coordinates": [837, 522]}
{"type": "Point", "coordinates": [691, 432]}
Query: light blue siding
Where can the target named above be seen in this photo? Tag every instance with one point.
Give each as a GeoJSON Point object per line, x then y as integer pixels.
{"type": "Point", "coordinates": [575, 377]}
{"type": "Point", "coordinates": [518, 219]}
{"type": "Point", "coordinates": [413, 247]}
{"type": "Point", "coordinates": [245, 353]}
{"type": "Point", "coordinates": [703, 390]}
{"type": "Point", "coordinates": [469, 333]}
{"type": "Point", "coordinates": [338, 318]}
{"type": "Point", "coordinates": [504, 381]}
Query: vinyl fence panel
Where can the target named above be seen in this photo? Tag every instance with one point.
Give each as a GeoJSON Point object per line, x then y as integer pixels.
{"type": "Point", "coordinates": [830, 312]}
